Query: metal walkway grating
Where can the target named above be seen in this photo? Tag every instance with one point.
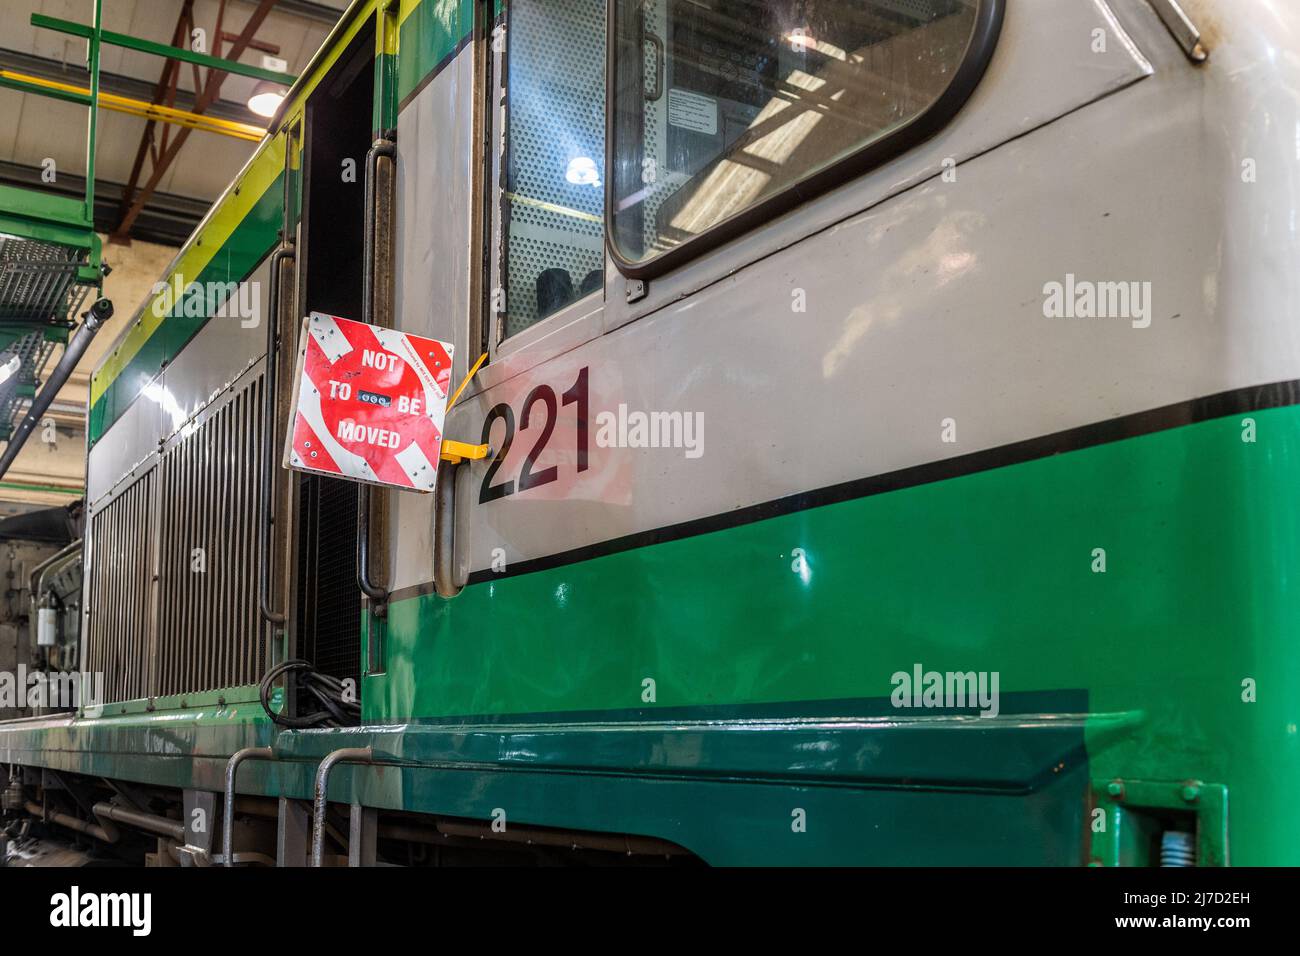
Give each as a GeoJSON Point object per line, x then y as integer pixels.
{"type": "Point", "coordinates": [38, 294]}
{"type": "Point", "coordinates": [38, 280]}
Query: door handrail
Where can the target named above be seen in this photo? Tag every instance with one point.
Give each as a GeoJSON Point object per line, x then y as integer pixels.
{"type": "Point", "coordinates": [381, 147]}
{"type": "Point", "coordinates": [270, 393]}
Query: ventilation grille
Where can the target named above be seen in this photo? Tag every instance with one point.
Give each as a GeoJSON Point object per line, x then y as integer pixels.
{"type": "Point", "coordinates": [329, 599]}
{"type": "Point", "coordinates": [191, 520]}
{"type": "Point", "coordinates": [210, 633]}
{"type": "Point", "coordinates": [117, 643]}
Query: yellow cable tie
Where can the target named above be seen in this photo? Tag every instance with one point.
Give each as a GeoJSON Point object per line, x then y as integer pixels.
{"type": "Point", "coordinates": [477, 365]}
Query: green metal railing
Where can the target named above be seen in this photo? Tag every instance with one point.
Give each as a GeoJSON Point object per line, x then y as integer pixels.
{"type": "Point", "coordinates": [160, 49]}
{"type": "Point", "coordinates": [57, 220]}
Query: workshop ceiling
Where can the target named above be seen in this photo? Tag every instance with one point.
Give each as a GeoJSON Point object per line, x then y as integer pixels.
{"type": "Point", "coordinates": [35, 128]}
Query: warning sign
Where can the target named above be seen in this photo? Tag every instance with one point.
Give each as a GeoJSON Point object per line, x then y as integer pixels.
{"type": "Point", "coordinates": [368, 403]}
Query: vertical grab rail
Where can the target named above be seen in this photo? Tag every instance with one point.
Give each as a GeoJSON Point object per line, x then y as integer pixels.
{"type": "Point", "coordinates": [228, 808]}
{"type": "Point", "coordinates": [270, 393]}
{"type": "Point", "coordinates": [381, 147]}
{"type": "Point", "coordinates": [444, 530]}
{"type": "Point", "coordinates": [362, 755]}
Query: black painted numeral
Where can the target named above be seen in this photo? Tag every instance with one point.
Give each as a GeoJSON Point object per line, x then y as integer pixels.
{"type": "Point", "coordinates": [576, 395]}
{"type": "Point", "coordinates": [489, 492]}
{"type": "Point", "coordinates": [527, 477]}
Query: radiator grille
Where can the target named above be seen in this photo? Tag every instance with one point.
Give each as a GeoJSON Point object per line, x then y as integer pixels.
{"type": "Point", "coordinates": [329, 600]}
{"type": "Point", "coordinates": [191, 520]}
{"type": "Point", "coordinates": [117, 642]}
{"type": "Point", "coordinates": [210, 634]}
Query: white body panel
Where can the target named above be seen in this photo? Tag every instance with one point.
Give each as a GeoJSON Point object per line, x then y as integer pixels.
{"type": "Point", "coordinates": [925, 298]}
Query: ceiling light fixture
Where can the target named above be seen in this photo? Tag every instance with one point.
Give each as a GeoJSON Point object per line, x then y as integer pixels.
{"type": "Point", "coordinates": [266, 98]}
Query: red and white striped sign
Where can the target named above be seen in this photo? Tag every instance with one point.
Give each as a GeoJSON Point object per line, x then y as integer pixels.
{"type": "Point", "coordinates": [368, 403]}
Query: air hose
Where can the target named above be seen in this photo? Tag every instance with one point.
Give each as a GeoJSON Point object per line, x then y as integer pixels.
{"type": "Point", "coordinates": [324, 691]}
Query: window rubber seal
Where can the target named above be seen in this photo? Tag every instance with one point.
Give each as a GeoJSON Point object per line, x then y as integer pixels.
{"type": "Point", "coordinates": [984, 39]}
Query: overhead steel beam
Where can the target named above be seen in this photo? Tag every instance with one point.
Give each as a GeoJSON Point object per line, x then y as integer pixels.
{"type": "Point", "coordinates": [211, 91]}
{"type": "Point", "coordinates": [306, 9]}
{"type": "Point", "coordinates": [154, 112]}
{"type": "Point", "coordinates": [166, 87]}
{"type": "Point", "coordinates": [272, 48]}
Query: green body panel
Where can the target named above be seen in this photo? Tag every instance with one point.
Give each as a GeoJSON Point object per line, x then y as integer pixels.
{"type": "Point", "coordinates": [689, 794]}
{"type": "Point", "coordinates": [772, 687]}
{"type": "Point", "coordinates": [992, 571]}
{"type": "Point", "coordinates": [384, 117]}
{"type": "Point", "coordinates": [431, 32]}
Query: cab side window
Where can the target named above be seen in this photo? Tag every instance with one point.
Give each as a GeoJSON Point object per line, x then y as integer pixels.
{"type": "Point", "coordinates": [721, 105]}
{"type": "Point", "coordinates": [548, 159]}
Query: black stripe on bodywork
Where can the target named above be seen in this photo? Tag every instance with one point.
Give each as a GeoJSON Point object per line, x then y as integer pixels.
{"type": "Point", "coordinates": [1234, 402]}
{"type": "Point", "coordinates": [438, 67]}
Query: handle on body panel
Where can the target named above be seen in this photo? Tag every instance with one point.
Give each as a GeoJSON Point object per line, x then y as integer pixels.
{"type": "Point", "coordinates": [381, 147]}
{"type": "Point", "coordinates": [270, 392]}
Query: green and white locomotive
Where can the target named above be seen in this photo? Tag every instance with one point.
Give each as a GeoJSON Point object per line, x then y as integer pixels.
{"type": "Point", "coordinates": [892, 425]}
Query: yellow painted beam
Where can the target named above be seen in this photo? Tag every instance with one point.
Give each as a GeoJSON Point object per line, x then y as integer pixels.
{"type": "Point", "coordinates": [155, 111]}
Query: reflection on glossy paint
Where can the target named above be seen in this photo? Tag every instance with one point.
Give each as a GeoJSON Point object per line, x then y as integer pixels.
{"type": "Point", "coordinates": [165, 400]}
{"type": "Point", "coordinates": [856, 326]}
{"type": "Point", "coordinates": [954, 264]}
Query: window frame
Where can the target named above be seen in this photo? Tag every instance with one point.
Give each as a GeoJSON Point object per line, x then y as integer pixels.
{"type": "Point", "coordinates": [988, 27]}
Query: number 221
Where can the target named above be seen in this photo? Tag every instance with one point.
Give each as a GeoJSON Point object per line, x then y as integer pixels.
{"type": "Point", "coordinates": [528, 478]}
